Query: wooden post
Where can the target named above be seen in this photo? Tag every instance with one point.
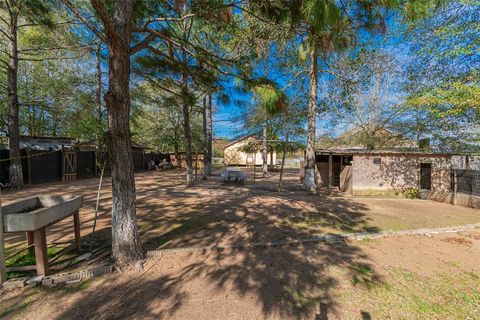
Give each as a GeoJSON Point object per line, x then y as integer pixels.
{"type": "Point", "coordinates": [76, 227]}
{"type": "Point", "coordinates": [29, 235]}
{"type": "Point", "coordinates": [330, 175]}
{"type": "Point", "coordinates": [75, 166]}
{"type": "Point", "coordinates": [95, 163]}
{"type": "Point", "coordinates": [196, 165]}
{"type": "Point", "coordinates": [455, 186]}
{"type": "Point", "coordinates": [62, 164]}
{"type": "Point", "coordinates": [29, 166]}
{"type": "Point", "coordinates": [3, 273]}
{"type": "Point", "coordinates": [41, 256]}
{"type": "Point", "coordinates": [254, 165]}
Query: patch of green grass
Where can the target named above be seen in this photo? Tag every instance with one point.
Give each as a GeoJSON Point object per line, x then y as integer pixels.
{"type": "Point", "coordinates": [411, 193]}
{"type": "Point", "coordinates": [27, 258]}
{"type": "Point", "coordinates": [366, 240]}
{"type": "Point", "coordinates": [364, 275]}
{"type": "Point", "coordinates": [407, 295]}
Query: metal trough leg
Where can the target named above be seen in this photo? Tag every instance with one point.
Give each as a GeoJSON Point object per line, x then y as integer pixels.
{"type": "Point", "coordinates": [41, 257]}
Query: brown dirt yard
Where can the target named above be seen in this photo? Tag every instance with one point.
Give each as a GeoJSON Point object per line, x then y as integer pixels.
{"type": "Point", "coordinates": [398, 278]}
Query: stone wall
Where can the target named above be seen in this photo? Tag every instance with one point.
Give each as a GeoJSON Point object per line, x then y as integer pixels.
{"type": "Point", "coordinates": [470, 162]}
{"type": "Point", "coordinates": [387, 172]}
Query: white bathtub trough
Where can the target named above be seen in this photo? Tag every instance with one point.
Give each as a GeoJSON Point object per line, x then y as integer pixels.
{"type": "Point", "coordinates": [38, 212]}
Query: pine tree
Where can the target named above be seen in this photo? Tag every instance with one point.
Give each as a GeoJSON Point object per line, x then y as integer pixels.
{"type": "Point", "coordinates": [32, 11]}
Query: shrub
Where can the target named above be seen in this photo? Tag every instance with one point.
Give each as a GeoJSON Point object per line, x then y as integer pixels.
{"type": "Point", "coordinates": [411, 193]}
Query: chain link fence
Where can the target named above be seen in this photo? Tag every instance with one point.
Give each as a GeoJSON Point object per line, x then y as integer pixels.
{"type": "Point", "coordinates": [466, 181]}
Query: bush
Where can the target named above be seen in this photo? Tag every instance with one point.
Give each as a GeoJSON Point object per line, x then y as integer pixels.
{"type": "Point", "coordinates": [411, 193]}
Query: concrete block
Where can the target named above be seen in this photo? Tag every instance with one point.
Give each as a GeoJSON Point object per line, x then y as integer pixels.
{"type": "Point", "coordinates": [34, 281]}
{"type": "Point", "coordinates": [48, 281]}
{"type": "Point", "coordinates": [15, 283]}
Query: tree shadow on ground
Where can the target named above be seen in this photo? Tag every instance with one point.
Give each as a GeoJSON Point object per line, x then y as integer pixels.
{"type": "Point", "coordinates": [290, 281]}
{"type": "Point", "coordinates": [287, 282]}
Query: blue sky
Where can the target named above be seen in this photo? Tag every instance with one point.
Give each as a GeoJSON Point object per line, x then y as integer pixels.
{"type": "Point", "coordinates": [226, 123]}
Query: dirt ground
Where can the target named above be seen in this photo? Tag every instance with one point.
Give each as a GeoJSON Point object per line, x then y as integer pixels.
{"type": "Point", "coordinates": [171, 215]}
{"type": "Point", "coordinates": [399, 278]}
{"type": "Point", "coordinates": [415, 277]}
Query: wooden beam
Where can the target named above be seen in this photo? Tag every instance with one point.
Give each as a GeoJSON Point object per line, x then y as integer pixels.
{"type": "Point", "coordinates": [41, 256]}
{"type": "Point", "coordinates": [22, 268]}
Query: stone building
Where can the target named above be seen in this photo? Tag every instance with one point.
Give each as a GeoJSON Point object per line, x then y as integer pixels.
{"type": "Point", "coordinates": [235, 153]}
{"type": "Point", "coordinates": [371, 172]}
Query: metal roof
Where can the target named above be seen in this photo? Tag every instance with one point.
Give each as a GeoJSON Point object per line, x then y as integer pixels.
{"type": "Point", "coordinates": [396, 151]}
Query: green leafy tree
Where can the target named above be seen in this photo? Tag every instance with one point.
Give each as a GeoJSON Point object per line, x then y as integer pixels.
{"type": "Point", "coordinates": [128, 27]}
{"type": "Point", "coordinates": [16, 14]}
{"type": "Point", "coordinates": [444, 80]}
{"type": "Point", "coordinates": [323, 27]}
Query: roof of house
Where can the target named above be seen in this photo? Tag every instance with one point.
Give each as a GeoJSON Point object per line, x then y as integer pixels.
{"type": "Point", "coordinates": [45, 143]}
{"type": "Point", "coordinates": [239, 139]}
{"type": "Point", "coordinates": [94, 143]}
{"type": "Point", "coordinates": [355, 139]}
{"type": "Point", "coordinates": [396, 151]}
{"type": "Point", "coordinates": [45, 137]}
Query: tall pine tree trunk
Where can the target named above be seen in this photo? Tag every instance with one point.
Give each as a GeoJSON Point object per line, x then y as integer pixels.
{"type": "Point", "coordinates": [309, 180]}
{"type": "Point", "coordinates": [16, 175]}
{"type": "Point", "coordinates": [207, 131]}
{"type": "Point", "coordinates": [186, 126]}
{"type": "Point", "coordinates": [210, 135]}
{"type": "Point", "coordinates": [126, 245]}
{"type": "Point", "coordinates": [186, 107]}
{"type": "Point", "coordinates": [265, 126]}
{"type": "Point", "coordinates": [98, 88]}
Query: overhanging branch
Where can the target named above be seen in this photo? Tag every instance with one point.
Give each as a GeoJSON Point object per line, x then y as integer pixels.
{"type": "Point", "coordinates": [82, 18]}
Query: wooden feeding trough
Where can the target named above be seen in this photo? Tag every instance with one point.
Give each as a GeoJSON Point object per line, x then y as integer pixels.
{"type": "Point", "coordinates": [34, 215]}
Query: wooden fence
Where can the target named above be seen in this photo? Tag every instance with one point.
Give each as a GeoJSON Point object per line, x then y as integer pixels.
{"type": "Point", "coordinates": [49, 166]}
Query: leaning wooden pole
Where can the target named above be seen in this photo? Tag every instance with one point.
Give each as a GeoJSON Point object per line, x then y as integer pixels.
{"type": "Point", "coordinates": [283, 163]}
{"type": "Point", "coordinates": [3, 273]}
{"type": "Point", "coordinates": [98, 197]}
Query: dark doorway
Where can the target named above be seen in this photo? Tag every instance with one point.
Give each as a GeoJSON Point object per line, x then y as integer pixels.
{"type": "Point", "coordinates": [426, 176]}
